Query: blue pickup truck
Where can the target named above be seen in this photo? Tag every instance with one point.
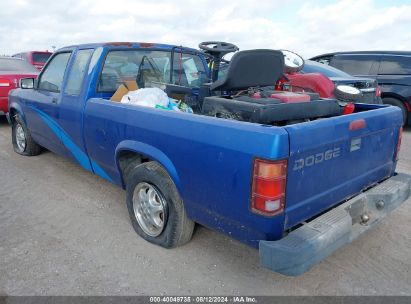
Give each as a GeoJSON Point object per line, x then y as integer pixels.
{"type": "Point", "coordinates": [296, 180]}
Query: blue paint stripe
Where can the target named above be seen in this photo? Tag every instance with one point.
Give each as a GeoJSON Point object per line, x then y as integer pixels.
{"type": "Point", "coordinates": [78, 154]}
{"type": "Point", "coordinates": [99, 171]}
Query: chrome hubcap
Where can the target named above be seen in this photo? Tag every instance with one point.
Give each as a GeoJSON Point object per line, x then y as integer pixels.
{"type": "Point", "coordinates": [149, 209]}
{"type": "Point", "coordinates": [20, 138]}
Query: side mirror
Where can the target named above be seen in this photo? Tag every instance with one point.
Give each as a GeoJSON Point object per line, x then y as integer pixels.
{"type": "Point", "coordinates": [27, 83]}
{"type": "Point", "coordinates": [293, 62]}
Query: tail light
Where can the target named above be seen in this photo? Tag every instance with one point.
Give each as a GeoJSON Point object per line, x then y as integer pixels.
{"type": "Point", "coordinates": [282, 85]}
{"type": "Point", "coordinates": [4, 82]}
{"type": "Point", "coordinates": [378, 92]}
{"type": "Point", "coordinates": [399, 144]}
{"type": "Point", "coordinates": [268, 187]}
{"type": "Point", "coordinates": [349, 109]}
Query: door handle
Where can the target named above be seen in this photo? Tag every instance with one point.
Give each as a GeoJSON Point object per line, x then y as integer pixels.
{"type": "Point", "coordinates": [54, 100]}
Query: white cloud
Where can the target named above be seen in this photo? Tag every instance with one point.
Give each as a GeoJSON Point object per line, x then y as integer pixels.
{"type": "Point", "coordinates": [312, 29]}
{"type": "Point", "coordinates": [355, 25]}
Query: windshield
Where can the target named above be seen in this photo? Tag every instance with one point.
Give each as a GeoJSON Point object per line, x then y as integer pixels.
{"type": "Point", "coordinates": [41, 57]}
{"type": "Point", "coordinates": [16, 65]}
{"type": "Point", "coordinates": [150, 68]}
{"type": "Point", "coordinates": [315, 67]}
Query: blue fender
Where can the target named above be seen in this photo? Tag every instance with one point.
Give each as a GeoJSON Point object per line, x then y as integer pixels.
{"type": "Point", "coordinates": [17, 107]}
{"type": "Point", "coordinates": [151, 153]}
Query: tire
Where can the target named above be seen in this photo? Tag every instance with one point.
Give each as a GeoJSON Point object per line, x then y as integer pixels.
{"type": "Point", "coordinates": [149, 188]}
{"type": "Point", "coordinates": [397, 103]}
{"type": "Point", "coordinates": [22, 141]}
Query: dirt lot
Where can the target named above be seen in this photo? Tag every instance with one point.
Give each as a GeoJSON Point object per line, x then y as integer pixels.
{"type": "Point", "coordinates": [64, 231]}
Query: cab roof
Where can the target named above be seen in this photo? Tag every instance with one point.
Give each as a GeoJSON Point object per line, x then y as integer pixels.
{"type": "Point", "coordinates": [131, 45]}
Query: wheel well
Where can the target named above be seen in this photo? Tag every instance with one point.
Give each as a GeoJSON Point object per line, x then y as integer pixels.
{"type": "Point", "coordinates": [392, 95]}
{"type": "Point", "coordinates": [12, 113]}
{"type": "Point", "coordinates": [399, 98]}
{"type": "Point", "coordinates": [127, 160]}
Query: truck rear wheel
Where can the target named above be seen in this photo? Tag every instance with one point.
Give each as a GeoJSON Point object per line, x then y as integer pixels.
{"type": "Point", "coordinates": [22, 141]}
{"type": "Point", "coordinates": [156, 209]}
{"type": "Point", "coordinates": [397, 103]}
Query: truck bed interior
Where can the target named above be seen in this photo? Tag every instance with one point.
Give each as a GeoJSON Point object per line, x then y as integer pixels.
{"type": "Point", "coordinates": [246, 93]}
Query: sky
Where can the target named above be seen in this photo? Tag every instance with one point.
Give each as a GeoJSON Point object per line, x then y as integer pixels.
{"type": "Point", "coordinates": [306, 27]}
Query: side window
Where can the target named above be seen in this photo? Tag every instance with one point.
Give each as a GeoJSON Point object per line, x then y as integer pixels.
{"type": "Point", "coordinates": [77, 72]}
{"type": "Point", "coordinates": [400, 65]}
{"type": "Point", "coordinates": [188, 70]}
{"type": "Point", "coordinates": [52, 77]}
{"type": "Point", "coordinates": [355, 64]}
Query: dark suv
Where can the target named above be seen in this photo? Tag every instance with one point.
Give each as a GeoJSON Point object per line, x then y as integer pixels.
{"type": "Point", "coordinates": [391, 69]}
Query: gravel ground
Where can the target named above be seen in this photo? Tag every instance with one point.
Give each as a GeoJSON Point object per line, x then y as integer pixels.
{"type": "Point", "coordinates": [64, 231]}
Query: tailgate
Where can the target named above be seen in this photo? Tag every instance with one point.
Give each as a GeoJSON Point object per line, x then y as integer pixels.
{"type": "Point", "coordinates": [329, 163]}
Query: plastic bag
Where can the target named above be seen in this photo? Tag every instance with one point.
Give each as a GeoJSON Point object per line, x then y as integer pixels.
{"type": "Point", "coordinates": [175, 105]}
{"type": "Point", "coordinates": [147, 97]}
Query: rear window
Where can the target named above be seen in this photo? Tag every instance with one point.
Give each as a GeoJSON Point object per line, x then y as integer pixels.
{"type": "Point", "coordinates": [150, 68]}
{"type": "Point", "coordinates": [315, 67]}
{"type": "Point", "coordinates": [356, 64]}
{"type": "Point", "coordinates": [141, 65]}
{"type": "Point", "coordinates": [400, 65]}
{"type": "Point", "coordinates": [323, 60]}
{"type": "Point", "coordinates": [41, 57]}
{"type": "Point", "coordinates": [16, 65]}
{"type": "Point", "coordinates": [188, 70]}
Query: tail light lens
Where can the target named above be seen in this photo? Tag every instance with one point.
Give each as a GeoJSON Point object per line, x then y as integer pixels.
{"type": "Point", "coordinates": [349, 109]}
{"type": "Point", "coordinates": [4, 82]}
{"type": "Point", "coordinates": [399, 144]}
{"type": "Point", "coordinates": [378, 92]}
{"type": "Point", "coordinates": [268, 187]}
{"type": "Point", "coordinates": [282, 85]}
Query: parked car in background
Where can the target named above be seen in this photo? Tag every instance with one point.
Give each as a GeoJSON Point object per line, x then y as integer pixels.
{"type": "Point", "coordinates": [322, 79]}
{"type": "Point", "coordinates": [392, 69]}
{"type": "Point", "coordinates": [35, 58]}
{"type": "Point", "coordinates": [11, 71]}
{"type": "Point", "coordinates": [371, 93]}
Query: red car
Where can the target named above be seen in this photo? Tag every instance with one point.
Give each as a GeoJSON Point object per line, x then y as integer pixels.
{"type": "Point", "coordinates": [36, 58]}
{"type": "Point", "coordinates": [11, 71]}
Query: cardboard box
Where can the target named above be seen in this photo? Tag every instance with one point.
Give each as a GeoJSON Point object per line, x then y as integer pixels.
{"type": "Point", "coordinates": [123, 89]}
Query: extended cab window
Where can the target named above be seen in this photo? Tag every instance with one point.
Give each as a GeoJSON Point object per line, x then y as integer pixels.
{"type": "Point", "coordinates": [78, 69]}
{"type": "Point", "coordinates": [52, 77]}
{"type": "Point", "coordinates": [400, 65]}
{"type": "Point", "coordinates": [146, 67]}
{"type": "Point", "coordinates": [356, 64]}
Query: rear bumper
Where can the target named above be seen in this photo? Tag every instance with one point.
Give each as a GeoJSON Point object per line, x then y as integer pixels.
{"type": "Point", "coordinates": [308, 245]}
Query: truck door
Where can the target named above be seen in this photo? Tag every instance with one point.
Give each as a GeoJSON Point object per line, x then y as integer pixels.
{"type": "Point", "coordinates": [71, 108]}
{"type": "Point", "coordinates": [42, 109]}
